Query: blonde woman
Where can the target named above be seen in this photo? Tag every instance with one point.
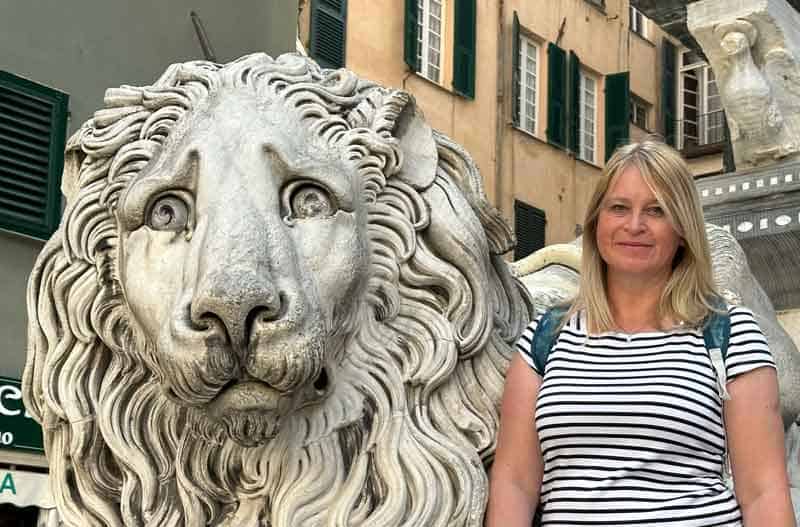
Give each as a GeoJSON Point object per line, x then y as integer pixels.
{"type": "Point", "coordinates": [628, 423]}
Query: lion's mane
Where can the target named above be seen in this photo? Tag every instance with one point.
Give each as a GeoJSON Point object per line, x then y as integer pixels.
{"type": "Point", "coordinates": [414, 413]}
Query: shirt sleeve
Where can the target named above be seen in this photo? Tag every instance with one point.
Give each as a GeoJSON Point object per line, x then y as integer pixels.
{"type": "Point", "coordinates": [525, 344]}
{"type": "Point", "coordinates": [747, 346]}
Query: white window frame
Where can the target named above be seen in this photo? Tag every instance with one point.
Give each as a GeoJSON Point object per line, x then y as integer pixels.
{"type": "Point", "coordinates": [638, 106]}
{"type": "Point", "coordinates": [637, 22]}
{"type": "Point", "coordinates": [587, 112]}
{"type": "Point", "coordinates": [707, 104]}
{"type": "Point", "coordinates": [426, 34]}
{"type": "Point", "coordinates": [528, 91]}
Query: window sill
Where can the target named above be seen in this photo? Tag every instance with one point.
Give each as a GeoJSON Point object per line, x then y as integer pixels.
{"type": "Point", "coordinates": [566, 151]}
{"type": "Point", "coordinates": [12, 233]}
{"type": "Point", "coordinates": [418, 75]}
{"type": "Point", "coordinates": [589, 163]}
{"type": "Point", "coordinates": [529, 135]}
{"type": "Point", "coordinates": [643, 38]}
{"type": "Point", "coordinates": [645, 130]}
{"type": "Point", "coordinates": [690, 152]}
{"type": "Point", "coordinates": [601, 8]}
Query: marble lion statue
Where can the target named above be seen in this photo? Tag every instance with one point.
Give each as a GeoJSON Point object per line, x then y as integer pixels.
{"type": "Point", "coordinates": [276, 298]}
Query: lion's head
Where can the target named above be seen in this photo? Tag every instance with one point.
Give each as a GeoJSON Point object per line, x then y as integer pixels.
{"type": "Point", "coordinates": [275, 298]}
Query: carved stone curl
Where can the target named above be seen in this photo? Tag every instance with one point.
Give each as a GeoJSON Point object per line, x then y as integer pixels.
{"type": "Point", "coordinates": [276, 298]}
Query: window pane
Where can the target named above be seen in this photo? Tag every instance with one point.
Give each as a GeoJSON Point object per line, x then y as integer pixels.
{"type": "Point", "coordinates": [429, 38]}
{"type": "Point", "coordinates": [527, 84]}
{"type": "Point", "coordinates": [587, 117]}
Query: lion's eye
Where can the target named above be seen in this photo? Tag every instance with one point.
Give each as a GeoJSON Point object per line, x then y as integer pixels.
{"type": "Point", "coordinates": [169, 213]}
{"type": "Point", "coordinates": [310, 201]}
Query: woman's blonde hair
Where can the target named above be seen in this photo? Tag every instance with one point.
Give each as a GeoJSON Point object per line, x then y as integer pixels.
{"type": "Point", "coordinates": [689, 294]}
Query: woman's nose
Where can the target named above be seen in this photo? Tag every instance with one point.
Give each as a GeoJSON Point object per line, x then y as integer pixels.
{"type": "Point", "coordinates": [636, 221]}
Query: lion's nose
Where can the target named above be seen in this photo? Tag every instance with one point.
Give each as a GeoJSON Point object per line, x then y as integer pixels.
{"type": "Point", "coordinates": [237, 307]}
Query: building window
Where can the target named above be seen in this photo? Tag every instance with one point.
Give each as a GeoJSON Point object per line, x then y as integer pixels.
{"type": "Point", "coordinates": [429, 39]}
{"type": "Point", "coordinates": [638, 22]}
{"type": "Point", "coordinates": [33, 125]}
{"type": "Point", "coordinates": [528, 84]}
{"type": "Point", "coordinates": [702, 120]}
{"type": "Point", "coordinates": [639, 112]}
{"type": "Point", "coordinates": [328, 37]}
{"type": "Point", "coordinates": [529, 225]}
{"type": "Point", "coordinates": [587, 117]}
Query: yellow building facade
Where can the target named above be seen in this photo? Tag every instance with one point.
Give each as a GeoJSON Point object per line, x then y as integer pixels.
{"type": "Point", "coordinates": [555, 85]}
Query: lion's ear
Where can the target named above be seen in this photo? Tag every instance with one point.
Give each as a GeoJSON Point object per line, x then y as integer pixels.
{"type": "Point", "coordinates": [73, 158]}
{"type": "Point", "coordinates": [415, 137]}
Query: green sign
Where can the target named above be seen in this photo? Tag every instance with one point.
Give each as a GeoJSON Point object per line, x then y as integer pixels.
{"type": "Point", "coordinates": [18, 430]}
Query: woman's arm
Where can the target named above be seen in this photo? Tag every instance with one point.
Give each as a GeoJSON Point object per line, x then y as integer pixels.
{"type": "Point", "coordinates": [755, 443]}
{"type": "Point", "coordinates": [517, 471]}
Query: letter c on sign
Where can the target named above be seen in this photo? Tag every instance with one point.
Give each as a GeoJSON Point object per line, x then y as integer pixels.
{"type": "Point", "coordinates": [9, 392]}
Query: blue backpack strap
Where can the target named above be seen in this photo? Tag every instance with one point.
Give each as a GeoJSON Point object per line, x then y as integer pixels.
{"type": "Point", "coordinates": [545, 336]}
{"type": "Point", "coordinates": [716, 334]}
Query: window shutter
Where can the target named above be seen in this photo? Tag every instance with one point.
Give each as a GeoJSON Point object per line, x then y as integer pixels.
{"type": "Point", "coordinates": [516, 73]}
{"type": "Point", "coordinates": [33, 127]}
{"type": "Point", "coordinates": [574, 103]}
{"type": "Point", "coordinates": [668, 102]}
{"type": "Point", "coordinates": [556, 95]}
{"type": "Point", "coordinates": [529, 225]}
{"type": "Point", "coordinates": [618, 111]}
{"type": "Point", "coordinates": [464, 49]}
{"type": "Point", "coordinates": [329, 32]}
{"type": "Point", "coordinates": [410, 34]}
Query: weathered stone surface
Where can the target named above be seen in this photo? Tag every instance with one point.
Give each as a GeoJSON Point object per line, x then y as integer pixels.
{"type": "Point", "coordinates": [754, 48]}
{"type": "Point", "coordinates": [277, 298]}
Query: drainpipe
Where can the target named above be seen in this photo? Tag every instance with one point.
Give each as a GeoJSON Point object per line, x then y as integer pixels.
{"type": "Point", "coordinates": [501, 108]}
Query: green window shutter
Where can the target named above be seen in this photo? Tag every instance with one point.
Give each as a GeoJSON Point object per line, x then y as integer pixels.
{"type": "Point", "coordinates": [618, 111]}
{"type": "Point", "coordinates": [33, 127]}
{"type": "Point", "coordinates": [556, 95]}
{"type": "Point", "coordinates": [410, 34]}
{"type": "Point", "coordinates": [516, 73]}
{"type": "Point", "coordinates": [464, 48]}
{"type": "Point", "coordinates": [668, 102]}
{"type": "Point", "coordinates": [529, 226]}
{"type": "Point", "coordinates": [329, 32]}
{"type": "Point", "coordinates": [574, 103]}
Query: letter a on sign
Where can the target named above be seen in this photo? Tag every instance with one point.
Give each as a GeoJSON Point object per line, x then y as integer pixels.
{"type": "Point", "coordinates": [8, 484]}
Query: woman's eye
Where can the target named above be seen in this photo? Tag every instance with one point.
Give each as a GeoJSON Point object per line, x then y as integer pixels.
{"type": "Point", "coordinates": [310, 201]}
{"type": "Point", "coordinates": [169, 213]}
{"type": "Point", "coordinates": [617, 208]}
{"type": "Point", "coordinates": [656, 212]}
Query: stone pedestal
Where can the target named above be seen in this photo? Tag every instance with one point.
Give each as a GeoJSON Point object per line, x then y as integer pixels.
{"type": "Point", "coordinates": [754, 49]}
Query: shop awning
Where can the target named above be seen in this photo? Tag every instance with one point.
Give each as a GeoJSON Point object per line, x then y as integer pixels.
{"type": "Point", "coordinates": [25, 489]}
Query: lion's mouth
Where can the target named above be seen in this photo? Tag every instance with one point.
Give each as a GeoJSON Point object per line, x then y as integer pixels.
{"type": "Point", "coordinates": [252, 395]}
{"type": "Point", "coordinates": [247, 396]}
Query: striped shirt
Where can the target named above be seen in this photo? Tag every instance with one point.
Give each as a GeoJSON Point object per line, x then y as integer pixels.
{"type": "Point", "coordinates": [630, 425]}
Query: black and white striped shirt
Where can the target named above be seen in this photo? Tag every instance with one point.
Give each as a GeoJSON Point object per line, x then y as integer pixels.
{"type": "Point", "coordinates": [631, 426]}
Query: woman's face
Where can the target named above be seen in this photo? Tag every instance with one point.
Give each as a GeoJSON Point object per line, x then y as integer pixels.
{"type": "Point", "coordinates": [634, 236]}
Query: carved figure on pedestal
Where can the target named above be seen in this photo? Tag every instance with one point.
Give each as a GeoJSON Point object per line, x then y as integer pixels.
{"type": "Point", "coordinates": [753, 115]}
{"type": "Point", "coordinates": [751, 46]}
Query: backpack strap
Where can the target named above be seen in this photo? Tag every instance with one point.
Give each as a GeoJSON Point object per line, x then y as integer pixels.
{"type": "Point", "coordinates": [544, 338]}
{"type": "Point", "coordinates": [716, 334]}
